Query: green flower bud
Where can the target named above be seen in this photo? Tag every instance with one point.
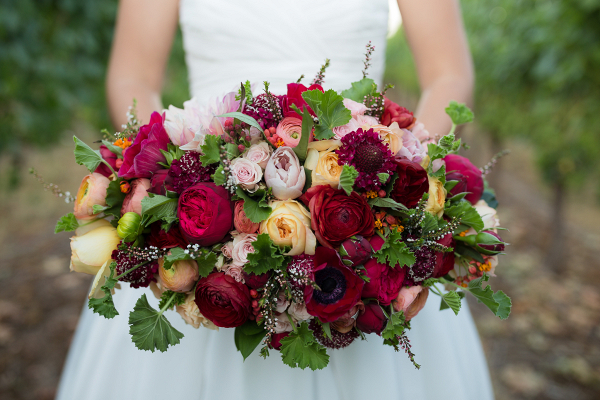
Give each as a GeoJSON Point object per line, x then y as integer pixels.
{"type": "Point", "coordinates": [129, 225]}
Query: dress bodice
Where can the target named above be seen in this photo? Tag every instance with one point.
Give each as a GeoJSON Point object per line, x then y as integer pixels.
{"type": "Point", "coordinates": [231, 41]}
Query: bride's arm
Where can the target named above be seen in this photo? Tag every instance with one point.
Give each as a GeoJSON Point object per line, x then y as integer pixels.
{"type": "Point", "coordinates": [143, 37]}
{"type": "Point", "coordinates": [436, 36]}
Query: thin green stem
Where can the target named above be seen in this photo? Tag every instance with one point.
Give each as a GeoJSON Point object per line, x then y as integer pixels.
{"type": "Point", "coordinates": [111, 168]}
{"type": "Point", "coordinates": [166, 306]}
{"type": "Point", "coordinates": [452, 129]}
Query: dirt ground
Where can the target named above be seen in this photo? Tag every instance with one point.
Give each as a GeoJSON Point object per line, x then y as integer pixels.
{"type": "Point", "coordinates": [549, 348]}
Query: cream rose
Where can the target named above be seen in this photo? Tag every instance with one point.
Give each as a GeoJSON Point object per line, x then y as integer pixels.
{"type": "Point", "coordinates": [298, 312]}
{"type": "Point", "coordinates": [391, 135]}
{"type": "Point", "coordinates": [191, 314]}
{"type": "Point", "coordinates": [246, 173]}
{"type": "Point", "coordinates": [289, 225]}
{"type": "Point", "coordinates": [282, 323]}
{"type": "Point", "coordinates": [259, 154]}
{"type": "Point", "coordinates": [92, 249]}
{"type": "Point", "coordinates": [285, 174]}
{"type": "Point", "coordinates": [282, 302]}
{"type": "Point", "coordinates": [324, 163]}
{"type": "Point", "coordinates": [181, 277]}
{"type": "Point", "coordinates": [242, 246]}
{"type": "Point", "coordinates": [437, 197]}
{"type": "Point", "coordinates": [92, 191]}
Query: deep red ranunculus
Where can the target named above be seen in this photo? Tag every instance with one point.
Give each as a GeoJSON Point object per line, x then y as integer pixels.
{"type": "Point", "coordinates": [110, 158]}
{"type": "Point", "coordinates": [141, 159]}
{"type": "Point", "coordinates": [294, 96]}
{"type": "Point", "coordinates": [356, 250]}
{"type": "Point", "coordinates": [444, 261]}
{"type": "Point", "coordinates": [223, 300]}
{"type": "Point", "coordinates": [372, 319]}
{"type": "Point", "coordinates": [385, 282]}
{"type": "Point", "coordinates": [165, 240]}
{"type": "Point", "coordinates": [412, 182]}
{"type": "Point", "coordinates": [205, 213]}
{"type": "Point", "coordinates": [254, 281]}
{"type": "Point", "coordinates": [392, 112]}
{"type": "Point", "coordinates": [340, 286]}
{"type": "Point", "coordinates": [336, 216]}
{"type": "Point", "coordinates": [469, 177]}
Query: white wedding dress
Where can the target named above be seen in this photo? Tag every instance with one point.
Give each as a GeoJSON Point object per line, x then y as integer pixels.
{"type": "Point", "coordinates": [227, 42]}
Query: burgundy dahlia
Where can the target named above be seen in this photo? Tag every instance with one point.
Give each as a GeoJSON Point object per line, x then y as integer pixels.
{"type": "Point", "coordinates": [126, 260]}
{"type": "Point", "coordinates": [366, 152]}
{"type": "Point", "coordinates": [338, 340]}
{"type": "Point", "coordinates": [187, 171]}
{"type": "Point", "coordinates": [265, 110]}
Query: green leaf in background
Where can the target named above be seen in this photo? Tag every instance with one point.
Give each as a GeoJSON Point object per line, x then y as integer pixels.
{"type": "Point", "coordinates": [467, 213]}
{"type": "Point", "coordinates": [394, 251]}
{"type": "Point", "coordinates": [175, 254]}
{"type": "Point", "coordinates": [330, 110]}
{"type": "Point", "coordinates": [211, 150]}
{"type": "Point", "coordinates": [114, 199]}
{"type": "Point", "coordinates": [451, 300]}
{"type": "Point", "coordinates": [247, 337]}
{"type": "Point", "coordinates": [347, 178]}
{"type": "Point", "coordinates": [66, 223]}
{"type": "Point", "coordinates": [266, 256]}
{"type": "Point", "coordinates": [159, 208]}
{"type": "Point", "coordinates": [360, 89]}
{"type": "Point", "coordinates": [206, 263]}
{"type": "Point", "coordinates": [256, 211]}
{"type": "Point", "coordinates": [116, 150]}
{"type": "Point", "coordinates": [386, 202]}
{"type": "Point", "coordinates": [300, 349]}
{"type": "Point", "coordinates": [85, 155]}
{"type": "Point", "coordinates": [383, 177]}
{"type": "Point", "coordinates": [105, 305]}
{"type": "Point", "coordinates": [459, 113]}
{"type": "Point", "coordinates": [219, 177]}
{"type": "Point", "coordinates": [232, 151]}
{"type": "Point", "coordinates": [149, 329]}
{"type": "Point", "coordinates": [244, 118]}
{"type": "Point", "coordinates": [175, 299]}
{"type": "Point", "coordinates": [307, 125]}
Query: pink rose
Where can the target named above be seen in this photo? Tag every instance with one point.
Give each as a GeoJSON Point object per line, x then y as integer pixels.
{"type": "Point", "coordinates": [341, 131]}
{"type": "Point", "coordinates": [355, 108]}
{"type": "Point", "coordinates": [241, 221]}
{"type": "Point", "coordinates": [421, 133]}
{"type": "Point", "coordinates": [412, 149]}
{"type": "Point", "coordinates": [227, 251]}
{"type": "Point", "coordinates": [411, 300]}
{"type": "Point", "coordinates": [246, 173]}
{"type": "Point", "coordinates": [236, 272]}
{"type": "Point", "coordinates": [282, 323]}
{"type": "Point", "coordinates": [366, 121]}
{"type": "Point", "coordinates": [259, 153]}
{"type": "Point", "coordinates": [290, 131]}
{"type": "Point", "coordinates": [285, 174]}
{"type": "Point", "coordinates": [242, 246]}
{"type": "Point", "coordinates": [92, 191]}
{"type": "Point", "coordinates": [133, 200]}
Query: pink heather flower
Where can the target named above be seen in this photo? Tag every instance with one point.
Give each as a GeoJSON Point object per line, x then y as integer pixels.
{"type": "Point", "coordinates": [246, 173]}
{"type": "Point", "coordinates": [290, 131]}
{"type": "Point", "coordinates": [242, 246]}
{"type": "Point", "coordinates": [259, 153]}
{"type": "Point", "coordinates": [355, 108]}
{"type": "Point", "coordinates": [285, 174]}
{"type": "Point", "coordinates": [412, 148]}
{"type": "Point", "coordinates": [369, 155]}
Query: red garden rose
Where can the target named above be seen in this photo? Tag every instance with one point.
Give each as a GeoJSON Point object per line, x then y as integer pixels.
{"type": "Point", "coordinates": [412, 182]}
{"type": "Point", "coordinates": [340, 286]}
{"type": "Point", "coordinates": [372, 320]}
{"type": "Point", "coordinates": [110, 158]}
{"type": "Point", "coordinates": [336, 216]}
{"type": "Point", "coordinates": [165, 240]}
{"type": "Point", "coordinates": [385, 282]}
{"type": "Point", "coordinates": [444, 262]}
{"type": "Point", "coordinates": [294, 96]}
{"type": "Point", "coordinates": [469, 177]}
{"type": "Point", "coordinates": [205, 213]}
{"type": "Point", "coordinates": [223, 300]}
{"type": "Point", "coordinates": [392, 112]}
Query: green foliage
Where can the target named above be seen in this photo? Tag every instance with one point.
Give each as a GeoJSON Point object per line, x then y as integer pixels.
{"type": "Point", "coordinates": [360, 89]}
{"type": "Point", "coordinates": [394, 251]}
{"type": "Point", "coordinates": [67, 223]}
{"type": "Point", "coordinates": [386, 202]}
{"type": "Point", "coordinates": [330, 110]}
{"type": "Point", "coordinates": [85, 155]}
{"type": "Point", "coordinates": [300, 349]}
{"type": "Point", "coordinates": [467, 213]}
{"type": "Point", "coordinates": [498, 302]}
{"type": "Point", "coordinates": [105, 305]}
{"type": "Point", "coordinates": [266, 256]}
{"type": "Point", "coordinates": [244, 118]}
{"type": "Point", "coordinates": [175, 254]}
{"type": "Point", "coordinates": [173, 298]}
{"type": "Point", "coordinates": [451, 300]}
{"type": "Point", "coordinates": [211, 150]}
{"type": "Point", "coordinates": [347, 178]}
{"type": "Point", "coordinates": [307, 124]}
{"type": "Point", "coordinates": [149, 329]}
{"type": "Point", "coordinates": [459, 113]}
{"type": "Point", "coordinates": [114, 199]}
{"type": "Point", "coordinates": [256, 210]}
{"type": "Point", "coordinates": [219, 176]}
{"type": "Point", "coordinates": [247, 337]}
{"type": "Point", "coordinates": [159, 208]}
{"type": "Point", "coordinates": [206, 263]}
{"type": "Point", "coordinates": [394, 327]}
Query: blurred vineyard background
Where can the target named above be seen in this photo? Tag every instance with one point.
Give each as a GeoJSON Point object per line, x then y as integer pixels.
{"type": "Point", "coordinates": [538, 94]}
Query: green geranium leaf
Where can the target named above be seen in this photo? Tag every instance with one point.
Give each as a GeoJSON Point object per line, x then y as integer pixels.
{"type": "Point", "coordinates": [330, 110]}
{"type": "Point", "coordinates": [383, 177]}
{"type": "Point", "coordinates": [459, 113]}
{"type": "Point", "coordinates": [266, 256]}
{"type": "Point", "coordinates": [307, 124]}
{"type": "Point", "coordinates": [244, 118]}
{"type": "Point", "coordinates": [211, 150]}
{"type": "Point", "coordinates": [114, 199]}
{"type": "Point", "coordinates": [85, 155]}
{"type": "Point", "coordinates": [175, 254]}
{"type": "Point", "coordinates": [504, 304]}
{"type": "Point", "coordinates": [219, 177]}
{"type": "Point", "coordinates": [385, 202]}
{"type": "Point", "coordinates": [451, 300]}
{"type": "Point", "coordinates": [206, 263]}
{"type": "Point", "coordinates": [467, 213]}
{"type": "Point", "coordinates": [395, 326]}
{"type": "Point", "coordinates": [66, 223]}
{"type": "Point", "coordinates": [499, 303]}
{"type": "Point", "coordinates": [300, 349]}
{"type": "Point", "coordinates": [116, 150]}
{"type": "Point", "coordinates": [431, 223]}
{"type": "Point", "coordinates": [177, 299]}
{"type": "Point", "coordinates": [149, 329]}
{"type": "Point", "coordinates": [360, 89]}
{"type": "Point", "coordinates": [394, 251]}
{"type": "Point", "coordinates": [159, 208]}
{"type": "Point", "coordinates": [256, 210]}
{"type": "Point", "coordinates": [347, 178]}
{"type": "Point", "coordinates": [247, 337]}
{"type": "Point", "coordinates": [105, 305]}
{"type": "Point", "coordinates": [232, 150]}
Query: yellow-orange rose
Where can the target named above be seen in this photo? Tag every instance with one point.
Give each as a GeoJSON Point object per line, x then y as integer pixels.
{"type": "Point", "coordinates": [323, 162]}
{"type": "Point", "coordinates": [92, 249]}
{"type": "Point", "coordinates": [92, 191]}
{"type": "Point", "coordinates": [391, 135]}
{"type": "Point", "coordinates": [289, 225]}
{"type": "Point", "coordinates": [181, 277]}
{"type": "Point", "coordinates": [437, 197]}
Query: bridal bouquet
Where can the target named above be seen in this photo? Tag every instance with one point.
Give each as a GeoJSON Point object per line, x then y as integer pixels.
{"type": "Point", "coordinates": [305, 220]}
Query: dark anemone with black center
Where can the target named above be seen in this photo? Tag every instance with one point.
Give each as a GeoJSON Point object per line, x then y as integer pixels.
{"type": "Point", "coordinates": [422, 268]}
{"type": "Point", "coordinates": [338, 340]}
{"type": "Point", "coordinates": [126, 258]}
{"type": "Point", "coordinates": [187, 171]}
{"type": "Point", "coordinates": [366, 152]}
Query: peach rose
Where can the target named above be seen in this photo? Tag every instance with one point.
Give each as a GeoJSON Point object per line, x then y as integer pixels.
{"type": "Point", "coordinates": [242, 246]}
{"type": "Point", "coordinates": [437, 197]}
{"type": "Point", "coordinates": [92, 191]}
{"type": "Point", "coordinates": [323, 164]}
{"type": "Point", "coordinates": [289, 225]}
{"type": "Point", "coordinates": [241, 221]}
{"type": "Point", "coordinates": [246, 173]}
{"type": "Point", "coordinates": [191, 314]}
{"type": "Point", "coordinates": [93, 248]}
{"type": "Point", "coordinates": [133, 200]}
{"type": "Point", "coordinates": [285, 174]}
{"type": "Point", "coordinates": [181, 277]}
{"type": "Point", "coordinates": [411, 300]}
{"type": "Point", "coordinates": [391, 135]}
{"type": "Point", "coordinates": [259, 153]}
{"type": "Point", "coordinates": [290, 131]}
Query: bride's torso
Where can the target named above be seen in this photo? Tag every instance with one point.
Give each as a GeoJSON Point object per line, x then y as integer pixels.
{"type": "Point", "coordinates": [231, 41]}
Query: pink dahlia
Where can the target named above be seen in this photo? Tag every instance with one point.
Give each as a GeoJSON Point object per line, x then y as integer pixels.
{"type": "Point", "coordinates": [140, 160]}
{"type": "Point", "coordinates": [366, 152]}
{"type": "Point", "coordinates": [187, 171]}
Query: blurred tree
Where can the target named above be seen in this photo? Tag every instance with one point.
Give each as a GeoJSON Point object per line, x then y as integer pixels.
{"type": "Point", "coordinates": [537, 64]}
{"type": "Point", "coordinates": [53, 56]}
